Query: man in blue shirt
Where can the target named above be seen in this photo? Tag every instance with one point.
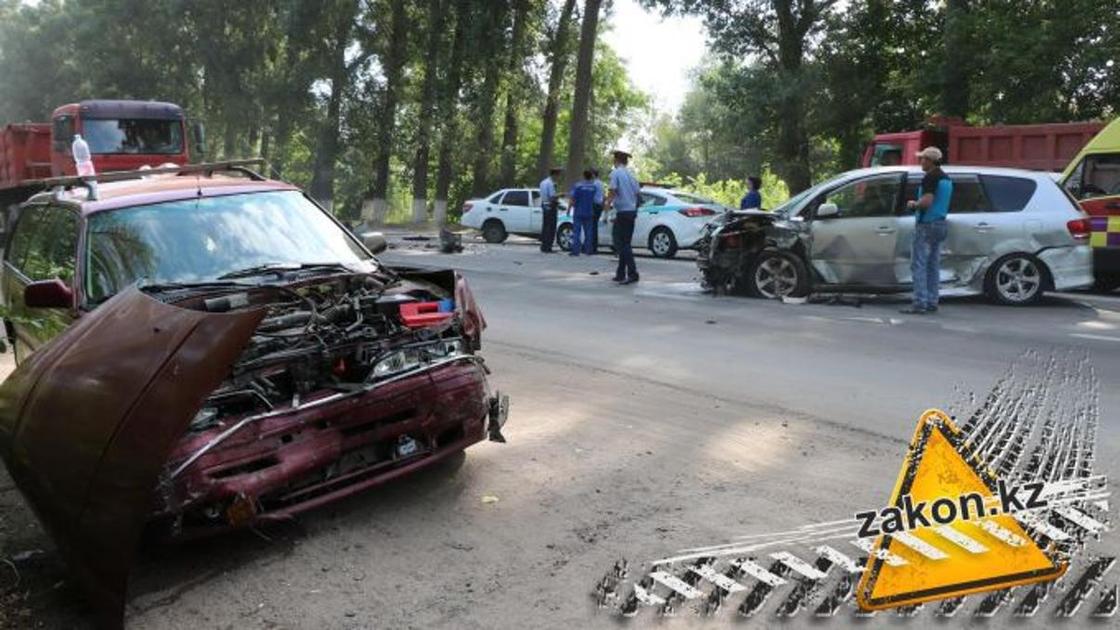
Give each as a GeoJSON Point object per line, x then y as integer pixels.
{"type": "Point", "coordinates": [583, 214]}
{"type": "Point", "coordinates": [623, 199]}
{"type": "Point", "coordinates": [753, 199]}
{"type": "Point", "coordinates": [930, 229]}
{"type": "Point", "coordinates": [550, 207]}
{"type": "Point", "coordinates": [600, 196]}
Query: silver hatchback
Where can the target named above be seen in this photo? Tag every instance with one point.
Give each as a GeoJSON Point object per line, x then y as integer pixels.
{"type": "Point", "coordinates": [1013, 235]}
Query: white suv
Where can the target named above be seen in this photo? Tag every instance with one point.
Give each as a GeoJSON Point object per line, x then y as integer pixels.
{"type": "Point", "coordinates": [508, 211]}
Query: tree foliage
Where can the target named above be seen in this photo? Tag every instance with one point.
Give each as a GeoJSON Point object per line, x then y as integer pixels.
{"type": "Point", "coordinates": [355, 99]}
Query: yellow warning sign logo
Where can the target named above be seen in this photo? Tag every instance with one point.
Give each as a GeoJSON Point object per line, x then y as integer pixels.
{"type": "Point", "coordinates": [968, 543]}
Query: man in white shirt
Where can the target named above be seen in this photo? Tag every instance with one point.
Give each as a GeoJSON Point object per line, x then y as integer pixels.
{"type": "Point", "coordinates": [550, 206]}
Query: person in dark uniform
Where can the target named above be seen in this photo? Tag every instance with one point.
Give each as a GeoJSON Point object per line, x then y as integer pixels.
{"type": "Point", "coordinates": [597, 209]}
{"type": "Point", "coordinates": [550, 206]}
{"type": "Point", "coordinates": [583, 211]}
{"type": "Point", "coordinates": [623, 200]}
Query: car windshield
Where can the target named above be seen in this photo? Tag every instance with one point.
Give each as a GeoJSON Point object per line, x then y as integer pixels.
{"type": "Point", "coordinates": [107, 136]}
{"type": "Point", "coordinates": [200, 240]}
{"type": "Point", "coordinates": [788, 207]}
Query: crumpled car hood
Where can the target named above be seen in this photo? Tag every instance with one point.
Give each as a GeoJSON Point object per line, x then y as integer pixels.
{"type": "Point", "coordinates": [88, 421]}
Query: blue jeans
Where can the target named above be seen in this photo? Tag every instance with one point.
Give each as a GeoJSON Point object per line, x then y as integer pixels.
{"type": "Point", "coordinates": [582, 234]}
{"type": "Point", "coordinates": [925, 262]}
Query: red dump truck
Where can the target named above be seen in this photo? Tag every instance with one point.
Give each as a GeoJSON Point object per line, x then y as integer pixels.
{"type": "Point", "coordinates": [1047, 147]}
{"type": "Point", "coordinates": [122, 135]}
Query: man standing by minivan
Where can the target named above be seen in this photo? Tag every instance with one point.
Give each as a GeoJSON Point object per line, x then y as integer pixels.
{"type": "Point", "coordinates": [930, 229]}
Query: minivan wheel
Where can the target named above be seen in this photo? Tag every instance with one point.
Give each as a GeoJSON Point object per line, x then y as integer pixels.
{"type": "Point", "coordinates": [777, 274]}
{"type": "Point", "coordinates": [564, 237]}
{"type": "Point", "coordinates": [662, 243]}
{"type": "Point", "coordinates": [1015, 280]}
{"type": "Point", "coordinates": [494, 231]}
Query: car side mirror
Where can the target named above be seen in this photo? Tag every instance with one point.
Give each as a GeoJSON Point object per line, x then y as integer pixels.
{"type": "Point", "coordinates": [48, 294]}
{"type": "Point", "coordinates": [827, 210]}
{"type": "Point", "coordinates": [375, 242]}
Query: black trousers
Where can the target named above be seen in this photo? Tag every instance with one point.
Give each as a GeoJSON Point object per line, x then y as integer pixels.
{"type": "Point", "coordinates": [548, 226]}
{"type": "Point", "coordinates": [598, 209]}
{"type": "Point", "coordinates": [623, 234]}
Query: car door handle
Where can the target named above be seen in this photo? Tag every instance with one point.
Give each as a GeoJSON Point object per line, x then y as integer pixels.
{"type": "Point", "coordinates": [503, 209]}
{"type": "Point", "coordinates": [884, 230]}
{"type": "Point", "coordinates": [983, 227]}
{"type": "Point", "coordinates": [1114, 205]}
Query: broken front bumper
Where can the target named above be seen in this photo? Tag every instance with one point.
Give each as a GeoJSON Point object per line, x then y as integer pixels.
{"type": "Point", "coordinates": [294, 460]}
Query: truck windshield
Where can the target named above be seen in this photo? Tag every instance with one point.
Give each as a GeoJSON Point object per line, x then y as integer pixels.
{"type": "Point", "coordinates": [107, 136]}
{"type": "Point", "coordinates": [199, 240]}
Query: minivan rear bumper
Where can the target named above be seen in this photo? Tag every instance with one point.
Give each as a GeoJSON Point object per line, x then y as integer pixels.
{"type": "Point", "coordinates": [1070, 267]}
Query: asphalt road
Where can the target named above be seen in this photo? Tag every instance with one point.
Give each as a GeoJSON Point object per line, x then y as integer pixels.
{"type": "Point", "coordinates": [646, 419]}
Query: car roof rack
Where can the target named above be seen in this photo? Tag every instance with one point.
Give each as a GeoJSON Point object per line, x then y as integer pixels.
{"type": "Point", "coordinates": [208, 169]}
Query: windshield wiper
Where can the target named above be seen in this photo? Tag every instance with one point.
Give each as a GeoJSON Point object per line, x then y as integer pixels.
{"type": "Point", "coordinates": [280, 269]}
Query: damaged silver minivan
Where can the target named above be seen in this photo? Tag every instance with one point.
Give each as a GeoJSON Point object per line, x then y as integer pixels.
{"type": "Point", "coordinates": [1013, 235]}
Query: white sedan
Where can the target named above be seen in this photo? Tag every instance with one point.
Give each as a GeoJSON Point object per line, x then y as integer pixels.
{"type": "Point", "coordinates": [508, 211]}
{"type": "Point", "coordinates": [668, 220]}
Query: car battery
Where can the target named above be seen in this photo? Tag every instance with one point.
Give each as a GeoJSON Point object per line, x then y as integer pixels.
{"type": "Point", "coordinates": [422, 314]}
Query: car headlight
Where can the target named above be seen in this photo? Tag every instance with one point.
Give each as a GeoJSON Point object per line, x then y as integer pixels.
{"type": "Point", "coordinates": [413, 357]}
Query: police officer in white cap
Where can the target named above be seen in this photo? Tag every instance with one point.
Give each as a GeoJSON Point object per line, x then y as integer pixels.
{"type": "Point", "coordinates": [622, 198]}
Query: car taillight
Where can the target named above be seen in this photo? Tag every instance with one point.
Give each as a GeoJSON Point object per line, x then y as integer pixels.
{"type": "Point", "coordinates": [697, 212]}
{"type": "Point", "coordinates": [1080, 229]}
{"type": "Point", "coordinates": [467, 207]}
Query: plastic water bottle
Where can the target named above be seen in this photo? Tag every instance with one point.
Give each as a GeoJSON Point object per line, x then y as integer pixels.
{"type": "Point", "coordinates": [82, 160]}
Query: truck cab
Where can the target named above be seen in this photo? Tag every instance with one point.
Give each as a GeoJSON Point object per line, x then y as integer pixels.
{"type": "Point", "coordinates": [122, 135]}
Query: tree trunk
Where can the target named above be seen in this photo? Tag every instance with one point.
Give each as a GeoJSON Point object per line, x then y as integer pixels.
{"type": "Point", "coordinates": [322, 177]}
{"type": "Point", "coordinates": [581, 105]}
{"type": "Point", "coordinates": [793, 140]}
{"type": "Point", "coordinates": [955, 89]}
{"type": "Point", "coordinates": [513, 93]}
{"type": "Point", "coordinates": [488, 100]}
{"type": "Point", "coordinates": [559, 54]}
{"type": "Point", "coordinates": [427, 111]}
{"type": "Point", "coordinates": [394, 63]}
{"type": "Point", "coordinates": [448, 112]}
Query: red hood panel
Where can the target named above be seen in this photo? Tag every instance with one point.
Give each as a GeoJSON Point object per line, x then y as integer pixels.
{"type": "Point", "coordinates": [88, 421]}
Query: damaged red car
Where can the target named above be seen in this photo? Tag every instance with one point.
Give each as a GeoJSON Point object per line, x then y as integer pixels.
{"type": "Point", "coordinates": [204, 349]}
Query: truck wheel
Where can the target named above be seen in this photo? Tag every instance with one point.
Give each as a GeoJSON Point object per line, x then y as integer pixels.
{"type": "Point", "coordinates": [1106, 283]}
{"type": "Point", "coordinates": [1015, 280]}
{"type": "Point", "coordinates": [776, 274]}
{"type": "Point", "coordinates": [662, 243]}
{"type": "Point", "coordinates": [494, 231]}
{"type": "Point", "coordinates": [564, 237]}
